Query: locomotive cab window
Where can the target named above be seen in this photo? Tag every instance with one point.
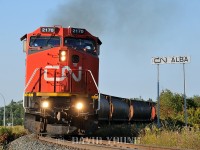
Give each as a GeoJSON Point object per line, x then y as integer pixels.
{"type": "Point", "coordinates": [86, 45]}
{"type": "Point", "coordinates": [44, 41]}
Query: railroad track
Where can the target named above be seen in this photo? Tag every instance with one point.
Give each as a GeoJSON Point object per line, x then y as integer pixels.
{"type": "Point", "coordinates": [93, 144]}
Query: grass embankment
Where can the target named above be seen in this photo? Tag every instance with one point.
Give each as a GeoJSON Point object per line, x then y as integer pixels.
{"type": "Point", "coordinates": [186, 138]}
{"type": "Point", "coordinates": [8, 134]}
{"type": "Point", "coordinates": [167, 136]}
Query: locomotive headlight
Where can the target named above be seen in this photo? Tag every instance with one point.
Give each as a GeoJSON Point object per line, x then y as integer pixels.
{"type": "Point", "coordinates": [63, 58]}
{"type": "Point", "coordinates": [79, 106]}
{"type": "Point", "coordinates": [45, 104]}
{"type": "Point", "coordinates": [62, 55]}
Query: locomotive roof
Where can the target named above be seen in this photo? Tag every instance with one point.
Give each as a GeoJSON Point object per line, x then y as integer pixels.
{"type": "Point", "coordinates": [60, 31]}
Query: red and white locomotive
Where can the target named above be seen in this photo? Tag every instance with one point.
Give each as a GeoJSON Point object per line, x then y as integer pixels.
{"type": "Point", "coordinates": [61, 94]}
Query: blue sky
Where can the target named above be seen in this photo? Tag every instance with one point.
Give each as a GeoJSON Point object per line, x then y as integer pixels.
{"type": "Point", "coordinates": [132, 31]}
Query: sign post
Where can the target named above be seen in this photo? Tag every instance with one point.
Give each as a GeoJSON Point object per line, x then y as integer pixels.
{"type": "Point", "coordinates": [171, 60]}
{"type": "Point", "coordinates": [158, 97]}
{"type": "Point", "coordinates": [185, 103]}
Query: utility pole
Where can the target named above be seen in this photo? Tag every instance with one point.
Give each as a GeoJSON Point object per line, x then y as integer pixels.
{"type": "Point", "coordinates": [4, 114]}
{"type": "Point", "coordinates": [12, 112]}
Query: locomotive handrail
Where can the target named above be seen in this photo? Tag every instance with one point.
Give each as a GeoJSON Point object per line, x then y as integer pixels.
{"type": "Point", "coordinates": [31, 78]}
{"type": "Point", "coordinates": [96, 88]}
{"type": "Point", "coordinates": [29, 81]}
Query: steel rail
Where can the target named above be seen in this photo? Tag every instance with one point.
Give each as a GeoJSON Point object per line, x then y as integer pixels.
{"type": "Point", "coordinates": [77, 146]}
{"type": "Point", "coordinates": [102, 144]}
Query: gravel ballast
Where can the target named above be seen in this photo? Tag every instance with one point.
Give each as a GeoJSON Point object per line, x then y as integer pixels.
{"type": "Point", "coordinates": [30, 142]}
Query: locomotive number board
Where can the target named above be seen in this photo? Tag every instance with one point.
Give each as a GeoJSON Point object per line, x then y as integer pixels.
{"type": "Point", "coordinates": [47, 29]}
{"type": "Point", "coordinates": [78, 31]}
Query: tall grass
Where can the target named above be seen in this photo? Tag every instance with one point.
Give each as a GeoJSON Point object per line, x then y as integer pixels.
{"type": "Point", "coordinates": [188, 138]}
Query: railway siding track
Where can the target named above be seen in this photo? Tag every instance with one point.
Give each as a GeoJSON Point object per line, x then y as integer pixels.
{"type": "Point", "coordinates": [90, 144]}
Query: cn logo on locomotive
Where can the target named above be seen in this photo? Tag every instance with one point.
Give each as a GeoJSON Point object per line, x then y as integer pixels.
{"type": "Point", "coordinates": [77, 79]}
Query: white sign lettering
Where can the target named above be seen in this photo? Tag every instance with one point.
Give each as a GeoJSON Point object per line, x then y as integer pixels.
{"type": "Point", "coordinates": [171, 60]}
{"type": "Point", "coordinates": [63, 76]}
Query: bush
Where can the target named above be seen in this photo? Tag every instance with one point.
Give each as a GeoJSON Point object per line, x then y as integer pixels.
{"type": "Point", "coordinates": [8, 134]}
{"type": "Point", "coordinates": [5, 135]}
{"type": "Point", "coordinates": [18, 131]}
{"type": "Point", "coordinates": [187, 138]}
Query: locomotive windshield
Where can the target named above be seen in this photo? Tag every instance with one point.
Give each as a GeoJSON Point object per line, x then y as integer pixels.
{"type": "Point", "coordinates": [44, 41]}
{"type": "Point", "coordinates": [86, 45]}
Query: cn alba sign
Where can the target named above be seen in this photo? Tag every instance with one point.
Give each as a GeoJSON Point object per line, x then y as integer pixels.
{"type": "Point", "coordinates": [171, 60]}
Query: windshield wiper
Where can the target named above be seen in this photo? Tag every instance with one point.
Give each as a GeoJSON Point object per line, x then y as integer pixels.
{"type": "Point", "coordinates": [46, 44]}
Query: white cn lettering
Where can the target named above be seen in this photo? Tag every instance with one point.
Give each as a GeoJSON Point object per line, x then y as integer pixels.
{"type": "Point", "coordinates": [77, 79]}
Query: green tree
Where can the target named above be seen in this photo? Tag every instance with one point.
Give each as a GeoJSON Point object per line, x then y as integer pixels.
{"type": "Point", "coordinates": [191, 103]}
{"type": "Point", "coordinates": [194, 116]}
{"type": "Point", "coordinates": [172, 107]}
{"type": "Point", "coordinates": [170, 104]}
{"type": "Point", "coordinates": [16, 109]}
{"type": "Point", "coordinates": [197, 100]}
